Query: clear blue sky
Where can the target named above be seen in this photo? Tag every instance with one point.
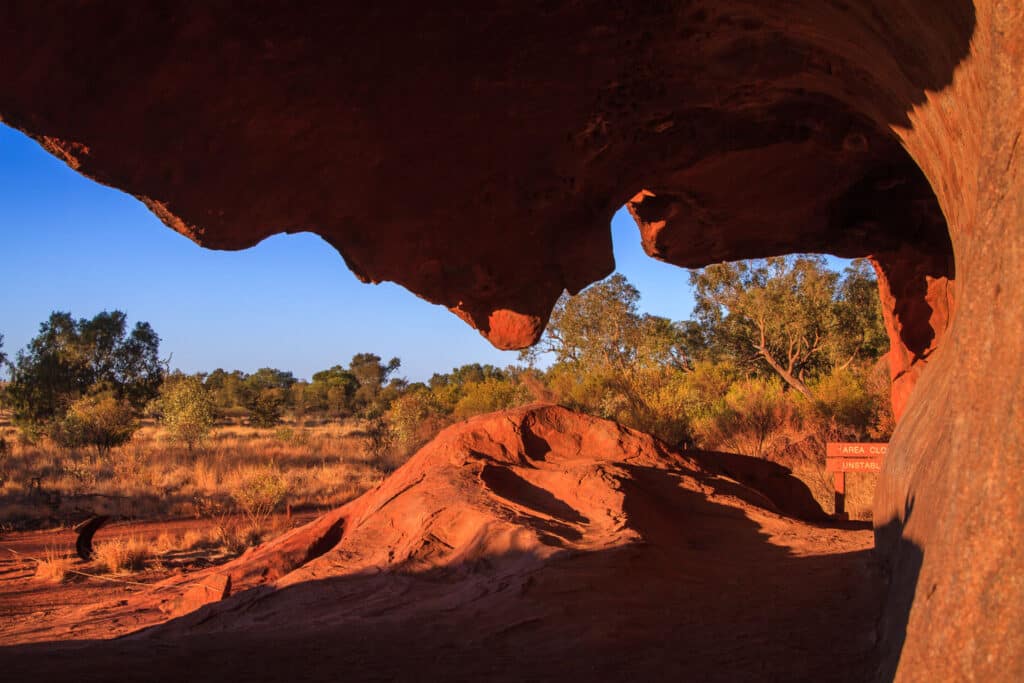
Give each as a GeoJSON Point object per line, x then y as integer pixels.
{"type": "Point", "coordinates": [68, 243]}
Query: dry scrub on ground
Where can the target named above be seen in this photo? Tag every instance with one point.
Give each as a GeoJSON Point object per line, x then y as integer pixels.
{"type": "Point", "coordinates": [54, 565]}
{"type": "Point", "coordinates": [758, 418]}
{"type": "Point", "coordinates": [122, 555]}
{"type": "Point", "coordinates": [237, 469]}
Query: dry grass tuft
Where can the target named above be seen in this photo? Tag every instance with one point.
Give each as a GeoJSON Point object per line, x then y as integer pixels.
{"type": "Point", "coordinates": [236, 536]}
{"type": "Point", "coordinates": [123, 555]}
{"type": "Point", "coordinates": [167, 542]}
{"type": "Point", "coordinates": [54, 566]}
{"type": "Point", "coordinates": [194, 539]}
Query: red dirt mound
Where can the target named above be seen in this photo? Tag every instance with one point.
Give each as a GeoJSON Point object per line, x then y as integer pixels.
{"type": "Point", "coordinates": [533, 543]}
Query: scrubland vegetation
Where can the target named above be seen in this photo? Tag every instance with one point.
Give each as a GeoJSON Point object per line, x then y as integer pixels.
{"type": "Point", "coordinates": [783, 356]}
{"type": "Point", "coordinates": [237, 469]}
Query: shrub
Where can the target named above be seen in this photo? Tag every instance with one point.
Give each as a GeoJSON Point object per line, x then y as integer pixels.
{"type": "Point", "coordinates": [490, 395]}
{"type": "Point", "coordinates": [265, 410]}
{"type": "Point", "coordinates": [258, 493]}
{"type": "Point", "coordinates": [842, 396]}
{"type": "Point", "coordinates": [380, 439]}
{"type": "Point", "coordinates": [756, 418]}
{"type": "Point", "coordinates": [236, 537]}
{"type": "Point", "coordinates": [101, 421]}
{"type": "Point", "coordinates": [879, 385]}
{"type": "Point", "coordinates": [414, 418]}
{"type": "Point", "coordinates": [663, 410]}
{"type": "Point", "coordinates": [186, 410]}
{"type": "Point", "coordinates": [586, 392]}
{"type": "Point", "coordinates": [707, 386]}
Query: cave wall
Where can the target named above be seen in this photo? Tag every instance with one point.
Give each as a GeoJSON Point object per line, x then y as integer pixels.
{"type": "Point", "coordinates": [948, 511]}
{"type": "Point", "coordinates": [476, 157]}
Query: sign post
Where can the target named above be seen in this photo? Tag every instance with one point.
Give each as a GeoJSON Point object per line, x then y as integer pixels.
{"type": "Point", "coordinates": [841, 458]}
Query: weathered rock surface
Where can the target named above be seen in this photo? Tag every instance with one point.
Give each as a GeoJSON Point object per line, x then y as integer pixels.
{"type": "Point", "coordinates": [477, 156]}
{"type": "Point", "coordinates": [212, 588]}
{"type": "Point", "coordinates": [531, 544]}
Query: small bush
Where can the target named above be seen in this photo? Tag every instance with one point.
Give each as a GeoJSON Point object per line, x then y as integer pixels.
{"type": "Point", "coordinates": [879, 384]}
{"type": "Point", "coordinates": [843, 398]}
{"type": "Point", "coordinates": [756, 418]}
{"type": "Point", "coordinates": [490, 395]}
{"type": "Point", "coordinates": [101, 421]}
{"type": "Point", "coordinates": [292, 437]}
{"type": "Point", "coordinates": [662, 409]}
{"type": "Point", "coordinates": [258, 493]}
{"type": "Point", "coordinates": [707, 386]}
{"type": "Point", "coordinates": [414, 418]}
{"type": "Point", "coordinates": [266, 409]}
{"type": "Point", "coordinates": [186, 410]}
{"type": "Point", "coordinates": [380, 438]}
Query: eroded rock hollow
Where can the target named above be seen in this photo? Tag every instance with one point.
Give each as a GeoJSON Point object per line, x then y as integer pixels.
{"type": "Point", "coordinates": [476, 157]}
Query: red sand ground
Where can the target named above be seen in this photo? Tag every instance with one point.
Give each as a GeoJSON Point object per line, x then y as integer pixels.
{"type": "Point", "coordinates": [533, 544]}
{"type": "Point", "coordinates": [34, 610]}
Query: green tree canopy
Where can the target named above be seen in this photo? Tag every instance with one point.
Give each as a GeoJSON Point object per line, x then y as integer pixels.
{"type": "Point", "coordinates": [336, 376]}
{"type": "Point", "coordinates": [789, 315]}
{"type": "Point", "coordinates": [616, 362]}
{"type": "Point", "coordinates": [449, 388]}
{"type": "Point", "coordinates": [861, 328]}
{"type": "Point", "coordinates": [269, 378]}
{"type": "Point", "coordinates": [71, 358]}
{"type": "Point", "coordinates": [333, 391]}
{"type": "Point", "coordinates": [227, 389]}
{"type": "Point", "coordinates": [369, 371]}
{"type": "Point", "coordinates": [371, 397]}
{"type": "Point", "coordinates": [600, 330]}
{"type": "Point", "coordinates": [465, 374]}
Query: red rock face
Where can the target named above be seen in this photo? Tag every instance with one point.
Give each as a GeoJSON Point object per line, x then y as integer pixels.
{"type": "Point", "coordinates": [477, 157]}
{"type": "Point", "coordinates": [917, 294]}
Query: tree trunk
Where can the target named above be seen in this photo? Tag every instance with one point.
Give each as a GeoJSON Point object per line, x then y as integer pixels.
{"type": "Point", "coordinates": [790, 379]}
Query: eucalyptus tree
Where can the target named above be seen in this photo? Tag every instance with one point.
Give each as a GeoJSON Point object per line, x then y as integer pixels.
{"type": "Point", "coordinates": [789, 315]}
